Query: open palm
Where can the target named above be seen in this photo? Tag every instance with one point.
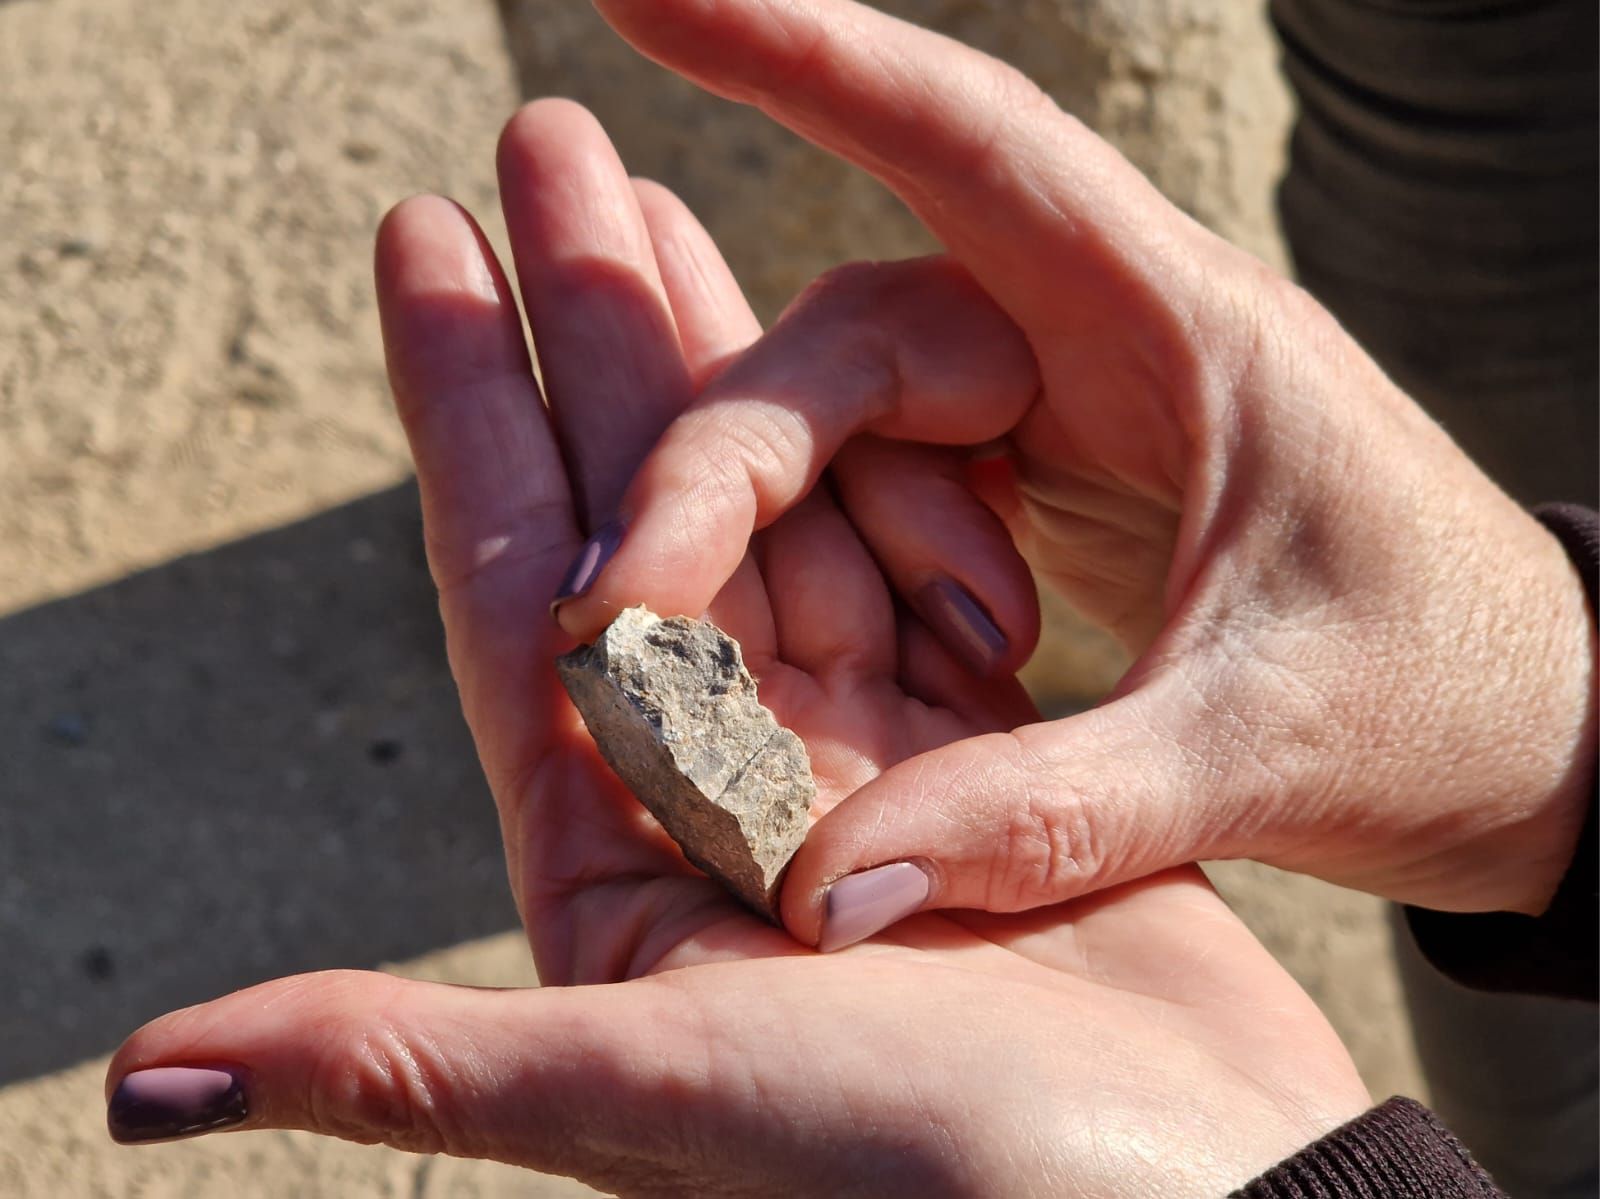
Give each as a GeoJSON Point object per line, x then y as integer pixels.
{"type": "Point", "coordinates": [632, 309]}
{"type": "Point", "coordinates": [1136, 1042]}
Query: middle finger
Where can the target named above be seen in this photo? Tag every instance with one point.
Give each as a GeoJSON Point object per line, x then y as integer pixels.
{"type": "Point", "coordinates": [608, 348]}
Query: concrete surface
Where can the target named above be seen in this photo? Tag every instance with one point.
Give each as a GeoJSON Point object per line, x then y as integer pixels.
{"type": "Point", "coordinates": [229, 748]}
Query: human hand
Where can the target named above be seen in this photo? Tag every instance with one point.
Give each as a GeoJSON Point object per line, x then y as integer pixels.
{"type": "Point", "coordinates": [1358, 658]}
{"type": "Point", "coordinates": [1139, 1042]}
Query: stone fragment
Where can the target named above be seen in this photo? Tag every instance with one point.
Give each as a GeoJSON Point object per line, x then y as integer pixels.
{"type": "Point", "coordinates": [674, 711]}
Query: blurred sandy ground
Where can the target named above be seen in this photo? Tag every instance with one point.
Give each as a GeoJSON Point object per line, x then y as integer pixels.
{"type": "Point", "coordinates": [229, 748]}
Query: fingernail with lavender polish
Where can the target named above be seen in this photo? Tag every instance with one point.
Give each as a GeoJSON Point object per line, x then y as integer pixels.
{"type": "Point", "coordinates": [859, 905]}
{"type": "Point", "coordinates": [175, 1101]}
{"type": "Point", "coordinates": [591, 560]}
{"type": "Point", "coordinates": [962, 624]}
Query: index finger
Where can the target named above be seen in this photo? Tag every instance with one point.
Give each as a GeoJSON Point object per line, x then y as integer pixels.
{"type": "Point", "coordinates": [1013, 186]}
{"type": "Point", "coordinates": [496, 506]}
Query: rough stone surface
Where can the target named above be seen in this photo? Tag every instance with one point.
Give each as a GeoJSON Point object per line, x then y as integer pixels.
{"type": "Point", "coordinates": [675, 713]}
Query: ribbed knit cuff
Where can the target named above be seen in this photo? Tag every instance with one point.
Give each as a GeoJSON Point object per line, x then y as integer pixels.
{"type": "Point", "coordinates": [1396, 1151]}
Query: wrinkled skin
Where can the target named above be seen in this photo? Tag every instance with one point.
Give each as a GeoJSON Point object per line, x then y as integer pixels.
{"type": "Point", "coordinates": [1356, 657]}
{"type": "Point", "coordinates": [1133, 1043]}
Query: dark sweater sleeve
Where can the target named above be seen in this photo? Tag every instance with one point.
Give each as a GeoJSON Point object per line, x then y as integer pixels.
{"type": "Point", "coordinates": [1398, 1150]}
{"type": "Point", "coordinates": [1558, 953]}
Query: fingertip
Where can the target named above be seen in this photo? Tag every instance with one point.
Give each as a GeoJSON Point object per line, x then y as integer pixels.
{"type": "Point", "coordinates": [418, 202]}
{"type": "Point", "coordinates": [393, 224]}
{"type": "Point", "coordinates": [656, 197]}
{"type": "Point", "coordinates": [582, 620]}
{"type": "Point", "coordinates": [400, 228]}
{"type": "Point", "coordinates": [819, 905]}
{"type": "Point", "coordinates": [418, 214]}
{"type": "Point", "coordinates": [729, 49]}
{"type": "Point", "coordinates": [650, 24]}
{"type": "Point", "coordinates": [947, 553]}
{"type": "Point", "coordinates": [429, 244]}
{"type": "Point", "coordinates": [165, 1103]}
{"type": "Point", "coordinates": [800, 903]}
{"type": "Point", "coordinates": [863, 904]}
{"type": "Point", "coordinates": [1016, 607]}
{"type": "Point", "coordinates": [537, 120]}
{"type": "Point", "coordinates": [270, 1052]}
{"type": "Point", "coordinates": [585, 617]}
{"type": "Point", "coordinates": [677, 543]}
{"type": "Point", "coordinates": [965, 625]}
{"type": "Point", "coordinates": [666, 213]}
{"type": "Point", "coordinates": [174, 1037]}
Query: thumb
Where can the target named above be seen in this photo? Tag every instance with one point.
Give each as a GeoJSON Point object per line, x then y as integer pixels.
{"type": "Point", "coordinates": [570, 1081]}
{"type": "Point", "coordinates": [1007, 822]}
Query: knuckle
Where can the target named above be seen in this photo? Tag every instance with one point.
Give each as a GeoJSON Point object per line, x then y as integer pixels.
{"type": "Point", "coordinates": [850, 306]}
{"type": "Point", "coordinates": [375, 1083]}
{"type": "Point", "coordinates": [759, 449]}
{"type": "Point", "coordinates": [853, 301]}
{"type": "Point", "coordinates": [1013, 101]}
{"type": "Point", "coordinates": [1011, 89]}
{"type": "Point", "coordinates": [848, 287]}
{"type": "Point", "coordinates": [1049, 848]}
{"type": "Point", "coordinates": [1044, 858]}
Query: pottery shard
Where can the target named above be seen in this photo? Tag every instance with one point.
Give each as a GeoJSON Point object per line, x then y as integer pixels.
{"type": "Point", "coordinates": [675, 713]}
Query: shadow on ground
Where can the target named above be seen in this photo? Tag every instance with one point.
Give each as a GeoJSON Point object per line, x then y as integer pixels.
{"type": "Point", "coordinates": [241, 764]}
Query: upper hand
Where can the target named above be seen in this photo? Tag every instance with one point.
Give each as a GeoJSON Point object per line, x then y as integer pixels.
{"type": "Point", "coordinates": [1357, 657]}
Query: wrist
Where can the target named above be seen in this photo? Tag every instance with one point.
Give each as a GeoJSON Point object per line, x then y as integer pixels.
{"type": "Point", "coordinates": [1453, 671]}
{"type": "Point", "coordinates": [1549, 726]}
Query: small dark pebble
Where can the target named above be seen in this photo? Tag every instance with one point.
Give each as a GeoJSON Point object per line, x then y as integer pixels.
{"type": "Point", "coordinates": [98, 964]}
{"type": "Point", "coordinates": [385, 750]}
